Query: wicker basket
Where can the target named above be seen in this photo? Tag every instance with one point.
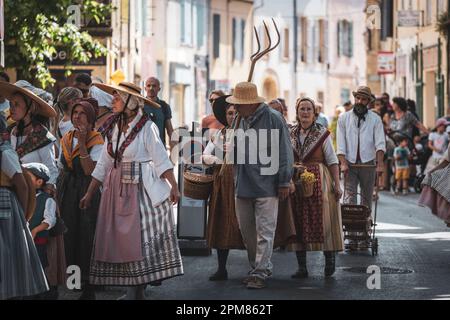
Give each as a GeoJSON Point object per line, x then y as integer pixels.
{"type": "Point", "coordinates": [197, 186]}
{"type": "Point", "coordinates": [307, 189]}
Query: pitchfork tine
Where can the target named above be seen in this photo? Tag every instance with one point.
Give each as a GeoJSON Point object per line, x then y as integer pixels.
{"type": "Point", "coordinates": [258, 55]}
{"type": "Point", "coordinates": [259, 44]}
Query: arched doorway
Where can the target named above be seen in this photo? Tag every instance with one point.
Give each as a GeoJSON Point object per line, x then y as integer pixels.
{"type": "Point", "coordinates": [270, 89]}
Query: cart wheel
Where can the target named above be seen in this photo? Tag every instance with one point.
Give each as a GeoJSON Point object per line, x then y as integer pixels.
{"type": "Point", "coordinates": [375, 247]}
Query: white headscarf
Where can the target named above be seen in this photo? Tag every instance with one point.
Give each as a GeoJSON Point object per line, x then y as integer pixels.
{"type": "Point", "coordinates": [104, 99]}
{"type": "Point", "coordinates": [134, 102]}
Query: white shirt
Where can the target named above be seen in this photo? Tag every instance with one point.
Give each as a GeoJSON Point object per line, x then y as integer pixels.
{"type": "Point", "coordinates": [371, 136]}
{"type": "Point", "coordinates": [49, 213]}
{"type": "Point", "coordinates": [146, 149]}
{"type": "Point", "coordinates": [440, 142]}
{"type": "Point", "coordinates": [10, 163]}
{"type": "Point", "coordinates": [44, 155]}
{"type": "Point", "coordinates": [65, 126]}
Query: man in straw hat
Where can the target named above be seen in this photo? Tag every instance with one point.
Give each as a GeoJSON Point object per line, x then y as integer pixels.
{"type": "Point", "coordinates": [360, 141]}
{"type": "Point", "coordinates": [258, 190]}
{"type": "Point", "coordinates": [135, 239]}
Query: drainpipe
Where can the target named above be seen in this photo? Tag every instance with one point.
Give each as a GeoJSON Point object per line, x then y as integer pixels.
{"type": "Point", "coordinates": [448, 56]}
{"type": "Point", "coordinates": [294, 71]}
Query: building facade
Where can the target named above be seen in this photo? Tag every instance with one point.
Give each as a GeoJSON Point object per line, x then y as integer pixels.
{"type": "Point", "coordinates": [408, 30]}
{"type": "Point", "coordinates": [347, 50]}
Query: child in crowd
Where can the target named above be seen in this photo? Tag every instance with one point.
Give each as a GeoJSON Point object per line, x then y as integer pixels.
{"type": "Point", "coordinates": [401, 156]}
{"type": "Point", "coordinates": [44, 217]}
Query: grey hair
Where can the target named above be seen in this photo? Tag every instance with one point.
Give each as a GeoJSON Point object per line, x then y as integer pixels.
{"type": "Point", "coordinates": [68, 94]}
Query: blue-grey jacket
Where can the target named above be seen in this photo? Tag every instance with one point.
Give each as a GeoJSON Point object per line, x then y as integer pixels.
{"type": "Point", "coordinates": [260, 176]}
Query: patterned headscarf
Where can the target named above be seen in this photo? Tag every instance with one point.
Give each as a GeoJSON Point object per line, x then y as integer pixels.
{"type": "Point", "coordinates": [68, 94]}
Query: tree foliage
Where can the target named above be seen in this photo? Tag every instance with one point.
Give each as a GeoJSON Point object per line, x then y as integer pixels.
{"type": "Point", "coordinates": [35, 30]}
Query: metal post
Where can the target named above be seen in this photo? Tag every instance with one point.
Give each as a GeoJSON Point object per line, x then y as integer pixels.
{"type": "Point", "coordinates": [419, 85]}
{"type": "Point", "coordinates": [440, 106]}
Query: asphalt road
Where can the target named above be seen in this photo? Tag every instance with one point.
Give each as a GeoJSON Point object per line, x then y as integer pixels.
{"type": "Point", "coordinates": [414, 259]}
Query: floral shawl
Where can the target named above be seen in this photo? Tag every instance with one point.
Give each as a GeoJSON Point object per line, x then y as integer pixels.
{"type": "Point", "coordinates": [93, 138]}
{"type": "Point", "coordinates": [38, 138]}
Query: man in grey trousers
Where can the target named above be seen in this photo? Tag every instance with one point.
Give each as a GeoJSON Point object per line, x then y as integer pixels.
{"type": "Point", "coordinates": [361, 145]}
{"type": "Point", "coordinates": [263, 171]}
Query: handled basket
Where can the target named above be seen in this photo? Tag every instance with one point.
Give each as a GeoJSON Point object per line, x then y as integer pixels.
{"type": "Point", "coordinates": [307, 189]}
{"type": "Point", "coordinates": [197, 186]}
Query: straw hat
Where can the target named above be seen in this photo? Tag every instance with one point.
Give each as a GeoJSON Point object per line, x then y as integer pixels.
{"type": "Point", "coordinates": [364, 91]}
{"type": "Point", "coordinates": [43, 108]}
{"type": "Point", "coordinates": [128, 88]}
{"type": "Point", "coordinates": [245, 93]}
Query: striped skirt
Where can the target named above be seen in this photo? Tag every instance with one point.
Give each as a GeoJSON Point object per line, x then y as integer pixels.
{"type": "Point", "coordinates": [159, 251]}
{"type": "Point", "coordinates": [21, 272]}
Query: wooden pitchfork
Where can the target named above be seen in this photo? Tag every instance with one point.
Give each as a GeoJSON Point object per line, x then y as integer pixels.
{"type": "Point", "coordinates": [259, 54]}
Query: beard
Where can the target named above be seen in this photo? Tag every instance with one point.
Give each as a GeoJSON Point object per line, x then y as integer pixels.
{"type": "Point", "coordinates": [360, 109]}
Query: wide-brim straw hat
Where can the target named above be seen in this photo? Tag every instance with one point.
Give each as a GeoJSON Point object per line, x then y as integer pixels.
{"type": "Point", "coordinates": [245, 93]}
{"type": "Point", "coordinates": [43, 108]}
{"type": "Point", "coordinates": [220, 106]}
{"type": "Point", "coordinates": [128, 88]}
{"type": "Point", "coordinates": [364, 91]}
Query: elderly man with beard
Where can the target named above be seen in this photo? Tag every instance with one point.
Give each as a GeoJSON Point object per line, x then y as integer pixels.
{"type": "Point", "coordinates": [360, 140]}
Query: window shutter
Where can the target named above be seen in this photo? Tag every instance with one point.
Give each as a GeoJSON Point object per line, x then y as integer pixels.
{"type": "Point", "coordinates": [242, 46]}
{"type": "Point", "coordinates": [339, 42]}
{"type": "Point", "coordinates": [309, 42]}
{"type": "Point", "coordinates": [216, 34]}
{"type": "Point", "coordinates": [325, 41]}
{"type": "Point", "coordinates": [350, 39]}
{"type": "Point", "coordinates": [234, 41]}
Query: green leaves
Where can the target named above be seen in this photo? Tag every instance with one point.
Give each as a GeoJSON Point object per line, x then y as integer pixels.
{"type": "Point", "coordinates": [443, 22]}
{"type": "Point", "coordinates": [35, 33]}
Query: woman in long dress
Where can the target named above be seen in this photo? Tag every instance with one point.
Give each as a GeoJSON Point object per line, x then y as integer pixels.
{"type": "Point", "coordinates": [33, 142]}
{"type": "Point", "coordinates": [21, 272]}
{"type": "Point", "coordinates": [81, 148]}
{"type": "Point", "coordinates": [135, 241]}
{"type": "Point", "coordinates": [223, 231]}
{"type": "Point", "coordinates": [317, 218]}
{"type": "Point", "coordinates": [436, 192]}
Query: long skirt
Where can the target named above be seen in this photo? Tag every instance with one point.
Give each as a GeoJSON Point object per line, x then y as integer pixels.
{"type": "Point", "coordinates": [57, 268]}
{"type": "Point", "coordinates": [223, 228]}
{"type": "Point", "coordinates": [331, 220]}
{"type": "Point", "coordinates": [79, 238]}
{"type": "Point", "coordinates": [436, 193]}
{"type": "Point", "coordinates": [135, 243]}
{"type": "Point", "coordinates": [21, 272]}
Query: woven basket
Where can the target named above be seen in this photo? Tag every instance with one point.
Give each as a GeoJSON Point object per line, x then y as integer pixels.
{"type": "Point", "coordinates": [197, 186]}
{"type": "Point", "coordinates": [307, 189]}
